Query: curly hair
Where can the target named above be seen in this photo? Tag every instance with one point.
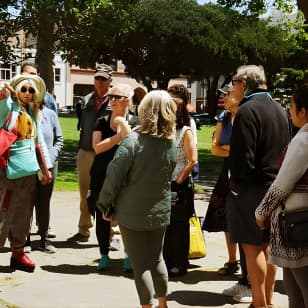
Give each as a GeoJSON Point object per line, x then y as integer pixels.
{"type": "Point", "coordinates": [157, 114]}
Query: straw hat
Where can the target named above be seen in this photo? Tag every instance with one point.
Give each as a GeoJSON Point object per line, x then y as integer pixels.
{"type": "Point", "coordinates": [38, 82]}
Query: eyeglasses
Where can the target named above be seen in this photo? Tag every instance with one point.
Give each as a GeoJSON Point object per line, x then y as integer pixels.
{"type": "Point", "coordinates": [233, 81]}
{"type": "Point", "coordinates": [100, 78]}
{"type": "Point", "coordinates": [29, 90]}
{"type": "Point", "coordinates": [116, 97]}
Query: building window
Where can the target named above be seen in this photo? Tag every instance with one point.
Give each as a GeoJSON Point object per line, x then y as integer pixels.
{"type": "Point", "coordinates": [57, 74]}
{"type": "Point", "coordinates": [14, 70]}
{"type": "Point", "coordinates": [7, 72]}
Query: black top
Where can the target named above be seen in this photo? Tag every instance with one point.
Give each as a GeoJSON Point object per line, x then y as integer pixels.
{"type": "Point", "coordinates": [260, 133]}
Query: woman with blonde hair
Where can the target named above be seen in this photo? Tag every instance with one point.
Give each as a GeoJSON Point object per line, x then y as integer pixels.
{"type": "Point", "coordinates": [137, 186]}
{"type": "Point", "coordinates": [19, 111]}
{"type": "Point", "coordinates": [107, 134]}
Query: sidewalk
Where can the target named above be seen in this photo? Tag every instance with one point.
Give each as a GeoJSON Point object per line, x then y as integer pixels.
{"type": "Point", "coordinates": [69, 278]}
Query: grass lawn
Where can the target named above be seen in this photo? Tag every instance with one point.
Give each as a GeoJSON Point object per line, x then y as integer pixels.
{"type": "Point", "coordinates": [67, 173]}
{"type": "Point", "coordinates": [67, 176]}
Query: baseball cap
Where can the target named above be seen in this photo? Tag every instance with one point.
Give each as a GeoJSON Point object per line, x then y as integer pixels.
{"type": "Point", "coordinates": [103, 70]}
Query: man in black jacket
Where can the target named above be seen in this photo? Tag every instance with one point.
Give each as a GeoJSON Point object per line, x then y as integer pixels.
{"type": "Point", "coordinates": [260, 133]}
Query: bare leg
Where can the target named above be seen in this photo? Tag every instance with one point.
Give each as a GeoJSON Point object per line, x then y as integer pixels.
{"type": "Point", "coordinates": [257, 271]}
{"type": "Point", "coordinates": [270, 276]}
{"type": "Point", "coordinates": [162, 302]}
{"type": "Point", "coordinates": [231, 248]}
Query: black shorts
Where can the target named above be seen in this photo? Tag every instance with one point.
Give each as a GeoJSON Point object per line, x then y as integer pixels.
{"type": "Point", "coordinates": [241, 215]}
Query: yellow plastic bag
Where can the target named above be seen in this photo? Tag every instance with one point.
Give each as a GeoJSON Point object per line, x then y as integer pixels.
{"type": "Point", "coordinates": [197, 247]}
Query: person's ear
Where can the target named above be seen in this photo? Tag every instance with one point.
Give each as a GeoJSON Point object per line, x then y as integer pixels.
{"type": "Point", "coordinates": [303, 113]}
{"type": "Point", "coordinates": [244, 84]}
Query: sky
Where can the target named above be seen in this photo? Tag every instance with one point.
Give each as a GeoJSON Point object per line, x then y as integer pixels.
{"type": "Point", "coordinates": [205, 1]}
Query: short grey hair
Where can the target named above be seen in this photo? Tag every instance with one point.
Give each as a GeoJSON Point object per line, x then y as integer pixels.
{"type": "Point", "coordinates": [254, 76]}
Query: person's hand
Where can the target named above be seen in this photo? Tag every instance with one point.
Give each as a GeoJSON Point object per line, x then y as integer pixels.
{"type": "Point", "coordinates": [46, 179]}
{"type": "Point", "coordinates": [123, 126]}
{"type": "Point", "coordinates": [6, 90]}
{"type": "Point", "coordinates": [109, 218]}
{"type": "Point", "coordinates": [261, 224]}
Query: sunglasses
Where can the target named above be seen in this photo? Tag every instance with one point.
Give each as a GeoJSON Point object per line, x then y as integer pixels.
{"type": "Point", "coordinates": [116, 97]}
{"type": "Point", "coordinates": [100, 78]}
{"type": "Point", "coordinates": [29, 90]}
{"type": "Point", "coordinates": [233, 81]}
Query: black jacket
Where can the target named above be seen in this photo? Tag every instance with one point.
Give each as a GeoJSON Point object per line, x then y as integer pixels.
{"type": "Point", "coordinates": [260, 133]}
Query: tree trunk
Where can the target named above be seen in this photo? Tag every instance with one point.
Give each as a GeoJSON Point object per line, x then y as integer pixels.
{"type": "Point", "coordinates": [212, 97]}
{"type": "Point", "coordinates": [163, 83]}
{"type": "Point", "coordinates": [45, 46]}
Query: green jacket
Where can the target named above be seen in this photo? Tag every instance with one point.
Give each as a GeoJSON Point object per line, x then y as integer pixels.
{"type": "Point", "coordinates": [138, 182]}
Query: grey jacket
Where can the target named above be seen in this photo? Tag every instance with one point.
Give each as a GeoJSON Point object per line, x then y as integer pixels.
{"type": "Point", "coordinates": [138, 182]}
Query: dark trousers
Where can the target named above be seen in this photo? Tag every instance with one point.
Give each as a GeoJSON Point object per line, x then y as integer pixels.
{"type": "Point", "coordinates": [244, 279]}
{"type": "Point", "coordinates": [42, 204]}
{"type": "Point", "coordinates": [176, 245]}
{"type": "Point", "coordinates": [102, 232]}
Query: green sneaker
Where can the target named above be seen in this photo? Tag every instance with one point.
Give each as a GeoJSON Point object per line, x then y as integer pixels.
{"type": "Point", "coordinates": [127, 268]}
{"type": "Point", "coordinates": [104, 263]}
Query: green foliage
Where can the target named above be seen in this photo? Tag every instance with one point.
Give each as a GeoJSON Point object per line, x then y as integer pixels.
{"type": "Point", "coordinates": [175, 37]}
{"type": "Point", "coordinates": [93, 29]}
{"type": "Point", "coordinates": [259, 7]}
{"type": "Point", "coordinates": [7, 31]}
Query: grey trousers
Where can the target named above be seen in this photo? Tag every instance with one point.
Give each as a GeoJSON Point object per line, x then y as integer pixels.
{"type": "Point", "coordinates": [16, 208]}
{"type": "Point", "coordinates": [296, 284]}
{"type": "Point", "coordinates": [144, 249]}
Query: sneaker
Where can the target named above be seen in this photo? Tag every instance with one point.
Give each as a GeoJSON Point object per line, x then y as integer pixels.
{"type": "Point", "coordinates": [232, 291]}
{"type": "Point", "coordinates": [127, 268]}
{"type": "Point", "coordinates": [78, 238]}
{"type": "Point", "coordinates": [104, 263]}
{"type": "Point", "coordinates": [46, 246]}
{"type": "Point", "coordinates": [175, 272]}
{"type": "Point", "coordinates": [50, 233]}
{"type": "Point", "coordinates": [115, 244]}
{"type": "Point", "coordinates": [244, 295]}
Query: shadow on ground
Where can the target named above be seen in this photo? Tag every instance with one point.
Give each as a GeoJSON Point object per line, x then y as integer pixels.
{"type": "Point", "coordinates": [69, 269]}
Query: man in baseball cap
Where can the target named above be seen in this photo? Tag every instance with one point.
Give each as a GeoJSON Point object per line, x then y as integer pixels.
{"type": "Point", "coordinates": [95, 105]}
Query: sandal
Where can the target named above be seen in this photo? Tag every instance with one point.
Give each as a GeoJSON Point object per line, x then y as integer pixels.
{"type": "Point", "coordinates": [229, 268]}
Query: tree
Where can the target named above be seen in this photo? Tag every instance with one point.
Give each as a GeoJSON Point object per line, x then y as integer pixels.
{"type": "Point", "coordinates": [261, 6]}
{"type": "Point", "coordinates": [180, 37]}
{"type": "Point", "coordinates": [6, 32]}
{"type": "Point", "coordinates": [69, 25]}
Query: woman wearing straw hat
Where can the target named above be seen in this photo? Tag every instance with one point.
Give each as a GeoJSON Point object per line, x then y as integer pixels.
{"type": "Point", "coordinates": [20, 103]}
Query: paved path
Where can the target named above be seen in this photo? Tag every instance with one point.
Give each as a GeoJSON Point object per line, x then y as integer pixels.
{"type": "Point", "coordinates": [69, 279]}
